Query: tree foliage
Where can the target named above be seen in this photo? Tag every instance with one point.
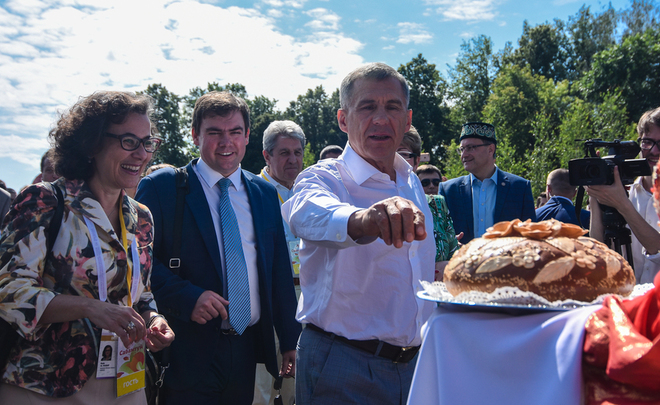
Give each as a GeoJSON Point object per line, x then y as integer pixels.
{"type": "Point", "coordinates": [430, 116]}
{"type": "Point", "coordinates": [167, 115]}
{"type": "Point", "coordinates": [591, 76]}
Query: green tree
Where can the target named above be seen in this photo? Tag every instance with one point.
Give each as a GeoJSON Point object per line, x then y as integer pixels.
{"type": "Point", "coordinates": [470, 80]}
{"type": "Point", "coordinates": [641, 16]}
{"type": "Point", "coordinates": [589, 34]}
{"type": "Point", "coordinates": [167, 115]}
{"type": "Point", "coordinates": [430, 116]}
{"type": "Point", "coordinates": [544, 49]}
{"type": "Point", "coordinates": [316, 113]}
{"type": "Point", "coordinates": [632, 68]}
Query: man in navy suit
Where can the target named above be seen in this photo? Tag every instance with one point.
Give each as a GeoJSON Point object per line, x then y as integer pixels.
{"type": "Point", "coordinates": [560, 205]}
{"type": "Point", "coordinates": [213, 360]}
{"type": "Point", "coordinates": [487, 195]}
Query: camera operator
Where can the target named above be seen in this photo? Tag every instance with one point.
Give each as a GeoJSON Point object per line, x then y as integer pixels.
{"type": "Point", "coordinates": [637, 208]}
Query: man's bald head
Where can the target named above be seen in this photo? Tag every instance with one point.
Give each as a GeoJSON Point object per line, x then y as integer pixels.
{"type": "Point", "coordinates": [558, 183]}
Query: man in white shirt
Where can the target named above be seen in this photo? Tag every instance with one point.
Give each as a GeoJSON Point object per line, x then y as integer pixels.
{"type": "Point", "coordinates": [284, 148]}
{"type": "Point", "coordinates": [364, 248]}
{"type": "Point", "coordinates": [637, 208]}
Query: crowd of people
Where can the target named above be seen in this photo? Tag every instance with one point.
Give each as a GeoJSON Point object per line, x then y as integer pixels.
{"type": "Point", "coordinates": [250, 279]}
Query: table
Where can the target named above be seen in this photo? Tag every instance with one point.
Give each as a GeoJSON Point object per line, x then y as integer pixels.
{"type": "Point", "coordinates": [498, 358]}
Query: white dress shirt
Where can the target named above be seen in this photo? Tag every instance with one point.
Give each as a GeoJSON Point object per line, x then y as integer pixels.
{"type": "Point", "coordinates": [241, 205]}
{"type": "Point", "coordinates": [646, 266]}
{"type": "Point", "coordinates": [362, 290]}
{"type": "Point", "coordinates": [484, 196]}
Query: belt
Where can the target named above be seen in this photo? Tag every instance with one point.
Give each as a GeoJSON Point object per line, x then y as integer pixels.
{"type": "Point", "coordinates": [397, 354]}
{"type": "Point", "coordinates": [296, 281]}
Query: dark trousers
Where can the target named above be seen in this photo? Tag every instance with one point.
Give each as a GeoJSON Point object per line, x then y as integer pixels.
{"type": "Point", "coordinates": [229, 377]}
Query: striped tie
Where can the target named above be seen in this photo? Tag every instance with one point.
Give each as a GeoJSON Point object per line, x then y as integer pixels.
{"type": "Point", "coordinates": [238, 287]}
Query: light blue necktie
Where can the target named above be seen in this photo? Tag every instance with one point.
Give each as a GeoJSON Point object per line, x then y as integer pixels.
{"type": "Point", "coordinates": [238, 286]}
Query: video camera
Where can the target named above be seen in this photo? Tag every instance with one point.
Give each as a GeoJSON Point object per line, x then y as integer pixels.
{"type": "Point", "coordinates": [592, 171]}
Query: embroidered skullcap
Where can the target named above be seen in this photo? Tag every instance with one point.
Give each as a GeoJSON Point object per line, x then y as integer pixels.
{"type": "Point", "coordinates": [478, 130]}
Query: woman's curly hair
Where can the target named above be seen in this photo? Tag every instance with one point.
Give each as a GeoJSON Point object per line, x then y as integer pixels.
{"type": "Point", "coordinates": [78, 135]}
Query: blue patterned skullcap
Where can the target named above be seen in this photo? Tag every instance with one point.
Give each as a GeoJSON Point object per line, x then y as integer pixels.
{"type": "Point", "coordinates": [478, 130]}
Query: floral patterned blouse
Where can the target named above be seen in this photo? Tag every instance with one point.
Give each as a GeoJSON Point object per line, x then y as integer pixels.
{"type": "Point", "coordinates": [443, 228]}
{"type": "Point", "coordinates": [57, 359]}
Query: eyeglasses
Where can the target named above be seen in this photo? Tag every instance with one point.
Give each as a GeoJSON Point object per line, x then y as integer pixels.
{"type": "Point", "coordinates": [470, 148]}
{"type": "Point", "coordinates": [407, 155]}
{"type": "Point", "coordinates": [427, 182]}
{"type": "Point", "coordinates": [648, 144]}
{"type": "Point", "coordinates": [130, 142]}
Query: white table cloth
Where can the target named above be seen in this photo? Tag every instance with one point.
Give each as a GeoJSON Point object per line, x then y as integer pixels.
{"type": "Point", "coordinates": [494, 358]}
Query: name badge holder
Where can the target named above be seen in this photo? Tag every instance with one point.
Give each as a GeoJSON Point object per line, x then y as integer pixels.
{"type": "Point", "coordinates": [126, 364]}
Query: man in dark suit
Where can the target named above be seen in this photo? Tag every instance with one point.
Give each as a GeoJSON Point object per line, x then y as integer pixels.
{"type": "Point", "coordinates": [487, 195]}
{"type": "Point", "coordinates": [560, 205]}
{"type": "Point", "coordinates": [221, 332]}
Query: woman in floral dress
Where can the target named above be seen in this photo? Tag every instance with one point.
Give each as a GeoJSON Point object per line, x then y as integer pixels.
{"type": "Point", "coordinates": [58, 301]}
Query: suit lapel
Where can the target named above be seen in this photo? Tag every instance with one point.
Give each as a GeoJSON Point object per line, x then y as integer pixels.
{"type": "Point", "coordinates": [196, 201]}
{"type": "Point", "coordinates": [466, 196]}
{"type": "Point", "coordinates": [503, 187]}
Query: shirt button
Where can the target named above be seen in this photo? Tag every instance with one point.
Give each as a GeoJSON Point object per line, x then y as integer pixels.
{"type": "Point", "coordinates": [413, 254]}
{"type": "Point", "coordinates": [338, 237]}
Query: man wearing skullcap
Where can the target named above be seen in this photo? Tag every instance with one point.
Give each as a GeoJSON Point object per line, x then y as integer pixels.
{"type": "Point", "coordinates": [487, 195]}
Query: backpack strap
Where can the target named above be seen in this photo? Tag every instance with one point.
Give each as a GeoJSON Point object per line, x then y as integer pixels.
{"type": "Point", "coordinates": [56, 221]}
{"type": "Point", "coordinates": [181, 191]}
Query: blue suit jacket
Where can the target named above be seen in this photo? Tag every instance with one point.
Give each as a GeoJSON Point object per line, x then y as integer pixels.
{"type": "Point", "coordinates": [562, 210]}
{"type": "Point", "coordinates": [201, 270]}
{"type": "Point", "coordinates": [514, 200]}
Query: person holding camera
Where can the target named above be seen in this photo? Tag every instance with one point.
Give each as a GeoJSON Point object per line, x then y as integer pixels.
{"type": "Point", "coordinates": [637, 207]}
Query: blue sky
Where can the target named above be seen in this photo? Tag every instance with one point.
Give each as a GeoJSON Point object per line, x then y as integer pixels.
{"type": "Point", "coordinates": [54, 51]}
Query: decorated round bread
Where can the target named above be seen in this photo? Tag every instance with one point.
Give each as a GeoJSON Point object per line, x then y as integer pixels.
{"type": "Point", "coordinates": [549, 258]}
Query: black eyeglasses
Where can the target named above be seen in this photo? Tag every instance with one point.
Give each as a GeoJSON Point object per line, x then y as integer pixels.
{"type": "Point", "coordinates": [427, 182]}
{"type": "Point", "coordinates": [648, 144]}
{"type": "Point", "coordinates": [130, 142]}
{"type": "Point", "coordinates": [470, 148]}
{"type": "Point", "coordinates": [407, 155]}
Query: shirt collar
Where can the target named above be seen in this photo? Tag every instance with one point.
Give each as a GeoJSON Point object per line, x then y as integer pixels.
{"type": "Point", "coordinates": [211, 177]}
{"type": "Point", "coordinates": [361, 170]}
{"type": "Point", "coordinates": [493, 177]}
{"type": "Point", "coordinates": [270, 179]}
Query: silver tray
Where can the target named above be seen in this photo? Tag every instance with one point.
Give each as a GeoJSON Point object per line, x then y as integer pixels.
{"type": "Point", "coordinates": [507, 308]}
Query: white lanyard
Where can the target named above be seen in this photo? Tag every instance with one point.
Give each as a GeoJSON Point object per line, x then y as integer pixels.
{"type": "Point", "coordinates": [100, 266]}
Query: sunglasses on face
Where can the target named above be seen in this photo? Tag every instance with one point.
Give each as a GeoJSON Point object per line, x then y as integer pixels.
{"type": "Point", "coordinates": [407, 155]}
{"type": "Point", "coordinates": [427, 182]}
{"type": "Point", "coordinates": [130, 142]}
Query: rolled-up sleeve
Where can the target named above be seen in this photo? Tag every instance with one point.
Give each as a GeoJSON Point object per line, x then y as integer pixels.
{"type": "Point", "coordinates": [316, 214]}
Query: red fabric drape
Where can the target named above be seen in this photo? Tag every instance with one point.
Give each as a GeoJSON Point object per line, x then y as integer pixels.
{"type": "Point", "coordinates": [622, 351]}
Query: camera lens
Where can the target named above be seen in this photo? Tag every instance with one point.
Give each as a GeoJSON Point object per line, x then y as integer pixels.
{"type": "Point", "coordinates": [591, 172]}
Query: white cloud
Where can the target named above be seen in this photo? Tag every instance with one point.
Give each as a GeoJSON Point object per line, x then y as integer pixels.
{"type": "Point", "coordinates": [466, 35]}
{"type": "Point", "coordinates": [323, 20]}
{"type": "Point", "coordinates": [475, 10]}
{"type": "Point", "coordinates": [413, 33]}
{"type": "Point", "coordinates": [285, 3]}
{"type": "Point", "coordinates": [52, 54]}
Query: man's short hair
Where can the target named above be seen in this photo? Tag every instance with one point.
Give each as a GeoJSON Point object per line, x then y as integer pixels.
{"type": "Point", "coordinates": [331, 149]}
{"type": "Point", "coordinates": [413, 141]}
{"type": "Point", "coordinates": [47, 155]}
{"type": "Point", "coordinates": [428, 169]}
{"type": "Point", "coordinates": [372, 71]}
{"type": "Point", "coordinates": [651, 117]}
{"type": "Point", "coordinates": [219, 103]}
{"type": "Point", "coordinates": [285, 129]}
{"type": "Point", "coordinates": [559, 181]}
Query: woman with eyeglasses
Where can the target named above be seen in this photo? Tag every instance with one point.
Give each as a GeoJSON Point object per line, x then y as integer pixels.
{"type": "Point", "coordinates": [446, 242]}
{"type": "Point", "coordinates": [96, 276]}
